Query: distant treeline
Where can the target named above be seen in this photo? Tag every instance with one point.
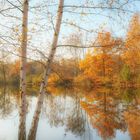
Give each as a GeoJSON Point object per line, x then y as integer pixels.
{"type": "Point", "coordinates": [113, 62]}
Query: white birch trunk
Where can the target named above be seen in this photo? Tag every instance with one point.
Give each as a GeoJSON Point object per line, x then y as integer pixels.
{"type": "Point", "coordinates": [53, 46]}
{"type": "Point", "coordinates": [32, 132]}
{"type": "Point", "coordinates": [33, 129]}
{"type": "Point", "coordinates": [23, 105]}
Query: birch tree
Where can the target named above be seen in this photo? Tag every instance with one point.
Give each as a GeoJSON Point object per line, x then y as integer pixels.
{"type": "Point", "coordinates": [22, 130]}
{"type": "Point", "coordinates": [32, 133]}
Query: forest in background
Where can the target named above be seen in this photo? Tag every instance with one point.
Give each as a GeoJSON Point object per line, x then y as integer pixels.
{"type": "Point", "coordinates": [113, 62]}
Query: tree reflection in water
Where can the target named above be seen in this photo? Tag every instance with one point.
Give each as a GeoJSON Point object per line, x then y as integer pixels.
{"type": "Point", "coordinates": [64, 110]}
{"type": "Point", "coordinates": [7, 102]}
{"type": "Point", "coordinates": [132, 114]}
{"type": "Point", "coordinates": [75, 122]}
{"type": "Point", "coordinates": [78, 112]}
{"type": "Point", "coordinates": [106, 110]}
{"type": "Point", "coordinates": [34, 125]}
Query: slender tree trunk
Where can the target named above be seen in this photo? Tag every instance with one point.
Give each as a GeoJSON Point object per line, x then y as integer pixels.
{"type": "Point", "coordinates": [4, 73]}
{"type": "Point", "coordinates": [32, 132]}
{"type": "Point", "coordinates": [23, 106]}
{"type": "Point", "coordinates": [53, 47]}
{"type": "Point", "coordinates": [103, 66]}
{"type": "Point", "coordinates": [105, 110]}
{"type": "Point", "coordinates": [33, 129]}
{"type": "Point", "coordinates": [104, 70]}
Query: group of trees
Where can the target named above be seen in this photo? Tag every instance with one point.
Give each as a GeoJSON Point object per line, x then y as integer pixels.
{"type": "Point", "coordinates": [98, 65]}
{"type": "Point", "coordinates": [115, 60]}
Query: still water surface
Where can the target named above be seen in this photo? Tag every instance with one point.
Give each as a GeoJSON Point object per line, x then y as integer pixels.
{"type": "Point", "coordinates": [73, 114]}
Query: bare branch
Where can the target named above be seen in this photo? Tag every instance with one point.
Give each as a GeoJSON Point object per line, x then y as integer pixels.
{"type": "Point", "coordinates": [98, 7]}
{"type": "Point", "coordinates": [14, 6]}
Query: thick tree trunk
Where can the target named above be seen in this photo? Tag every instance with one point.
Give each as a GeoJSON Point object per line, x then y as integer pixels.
{"type": "Point", "coordinates": [32, 133]}
{"type": "Point", "coordinates": [23, 106]}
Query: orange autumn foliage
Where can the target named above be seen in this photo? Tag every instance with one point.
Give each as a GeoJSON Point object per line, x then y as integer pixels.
{"type": "Point", "coordinates": [15, 68]}
{"type": "Point", "coordinates": [99, 63]}
{"type": "Point", "coordinates": [102, 113]}
{"type": "Point", "coordinates": [132, 118]}
{"type": "Point", "coordinates": [131, 55]}
{"type": "Point", "coordinates": [114, 59]}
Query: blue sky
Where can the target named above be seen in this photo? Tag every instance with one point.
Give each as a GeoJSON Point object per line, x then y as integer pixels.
{"type": "Point", "coordinates": [117, 22]}
{"type": "Point", "coordinates": [97, 21]}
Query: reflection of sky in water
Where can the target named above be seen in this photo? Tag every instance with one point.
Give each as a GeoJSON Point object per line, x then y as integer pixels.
{"type": "Point", "coordinates": [63, 119]}
{"type": "Point", "coordinates": [9, 131]}
{"type": "Point", "coordinates": [9, 125]}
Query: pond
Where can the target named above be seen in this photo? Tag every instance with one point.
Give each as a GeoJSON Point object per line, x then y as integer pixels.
{"type": "Point", "coordinates": [74, 114]}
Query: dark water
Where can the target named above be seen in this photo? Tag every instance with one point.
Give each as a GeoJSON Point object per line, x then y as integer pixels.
{"type": "Point", "coordinates": [74, 114]}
